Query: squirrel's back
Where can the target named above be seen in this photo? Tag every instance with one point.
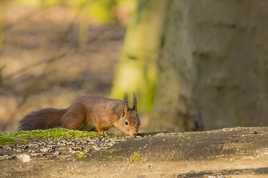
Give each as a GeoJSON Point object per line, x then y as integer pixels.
{"type": "Point", "coordinates": [42, 119]}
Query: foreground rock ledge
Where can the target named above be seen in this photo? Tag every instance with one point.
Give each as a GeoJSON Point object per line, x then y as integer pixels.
{"type": "Point", "coordinates": [193, 145]}
{"type": "Point", "coordinates": [247, 146]}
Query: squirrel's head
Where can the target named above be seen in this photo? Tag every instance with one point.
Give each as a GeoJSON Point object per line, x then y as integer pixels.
{"type": "Point", "coordinates": [129, 121]}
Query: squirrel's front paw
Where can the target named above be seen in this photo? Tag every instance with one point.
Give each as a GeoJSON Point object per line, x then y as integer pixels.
{"type": "Point", "coordinates": [102, 131]}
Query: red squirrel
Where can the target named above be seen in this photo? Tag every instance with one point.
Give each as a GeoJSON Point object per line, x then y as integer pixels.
{"type": "Point", "coordinates": [99, 112]}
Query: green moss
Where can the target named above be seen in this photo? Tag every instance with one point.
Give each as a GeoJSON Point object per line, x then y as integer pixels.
{"type": "Point", "coordinates": [135, 76]}
{"type": "Point", "coordinates": [56, 133]}
{"type": "Point", "coordinates": [185, 137]}
{"type": "Point", "coordinates": [9, 140]}
{"type": "Point", "coordinates": [81, 155]}
{"type": "Point", "coordinates": [134, 157]}
{"type": "Point", "coordinates": [115, 135]}
{"type": "Point", "coordinates": [110, 157]}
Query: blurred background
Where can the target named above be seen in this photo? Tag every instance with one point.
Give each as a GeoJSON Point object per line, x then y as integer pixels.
{"type": "Point", "coordinates": [53, 51]}
{"type": "Point", "coordinates": [195, 65]}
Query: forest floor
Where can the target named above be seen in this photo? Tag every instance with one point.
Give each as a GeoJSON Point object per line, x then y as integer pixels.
{"type": "Point", "coordinates": [50, 57]}
{"type": "Point", "coordinates": [225, 153]}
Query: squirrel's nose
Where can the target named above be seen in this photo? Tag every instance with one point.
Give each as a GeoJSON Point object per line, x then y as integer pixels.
{"type": "Point", "coordinates": [134, 134]}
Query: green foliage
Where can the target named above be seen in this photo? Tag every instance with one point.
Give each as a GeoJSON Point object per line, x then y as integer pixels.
{"type": "Point", "coordinates": [28, 2]}
{"type": "Point", "coordinates": [99, 10]}
{"type": "Point", "coordinates": [48, 3]}
{"type": "Point", "coordinates": [134, 157]}
{"type": "Point", "coordinates": [79, 4]}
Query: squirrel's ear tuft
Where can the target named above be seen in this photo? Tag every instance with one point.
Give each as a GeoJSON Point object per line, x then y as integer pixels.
{"type": "Point", "coordinates": [125, 110]}
{"type": "Point", "coordinates": [134, 102]}
{"type": "Point", "coordinates": [120, 109]}
{"type": "Point", "coordinates": [126, 98]}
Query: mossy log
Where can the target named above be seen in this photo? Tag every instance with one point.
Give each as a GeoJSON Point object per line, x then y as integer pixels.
{"type": "Point", "coordinates": [160, 146]}
{"type": "Point", "coordinates": [239, 151]}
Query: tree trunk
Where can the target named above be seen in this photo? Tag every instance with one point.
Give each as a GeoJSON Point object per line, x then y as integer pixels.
{"type": "Point", "coordinates": [213, 65]}
{"type": "Point", "coordinates": [137, 69]}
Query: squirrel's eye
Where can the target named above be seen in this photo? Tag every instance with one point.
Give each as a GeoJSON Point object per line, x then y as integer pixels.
{"type": "Point", "coordinates": [126, 122]}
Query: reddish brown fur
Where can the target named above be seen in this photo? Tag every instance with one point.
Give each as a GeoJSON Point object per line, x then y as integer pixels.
{"type": "Point", "coordinates": [99, 112]}
{"type": "Point", "coordinates": [43, 119]}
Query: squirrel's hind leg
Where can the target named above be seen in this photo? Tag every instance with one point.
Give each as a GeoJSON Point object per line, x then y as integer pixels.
{"type": "Point", "coordinates": [75, 117]}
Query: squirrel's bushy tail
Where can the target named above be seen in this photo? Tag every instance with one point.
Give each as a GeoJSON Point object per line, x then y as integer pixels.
{"type": "Point", "coordinates": [42, 119]}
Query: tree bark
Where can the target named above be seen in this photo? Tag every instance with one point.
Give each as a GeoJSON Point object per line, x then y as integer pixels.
{"type": "Point", "coordinates": [213, 68]}
{"type": "Point", "coordinates": [137, 70]}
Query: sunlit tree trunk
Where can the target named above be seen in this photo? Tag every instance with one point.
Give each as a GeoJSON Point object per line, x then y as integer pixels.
{"type": "Point", "coordinates": [213, 65]}
{"type": "Point", "coordinates": [137, 68]}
